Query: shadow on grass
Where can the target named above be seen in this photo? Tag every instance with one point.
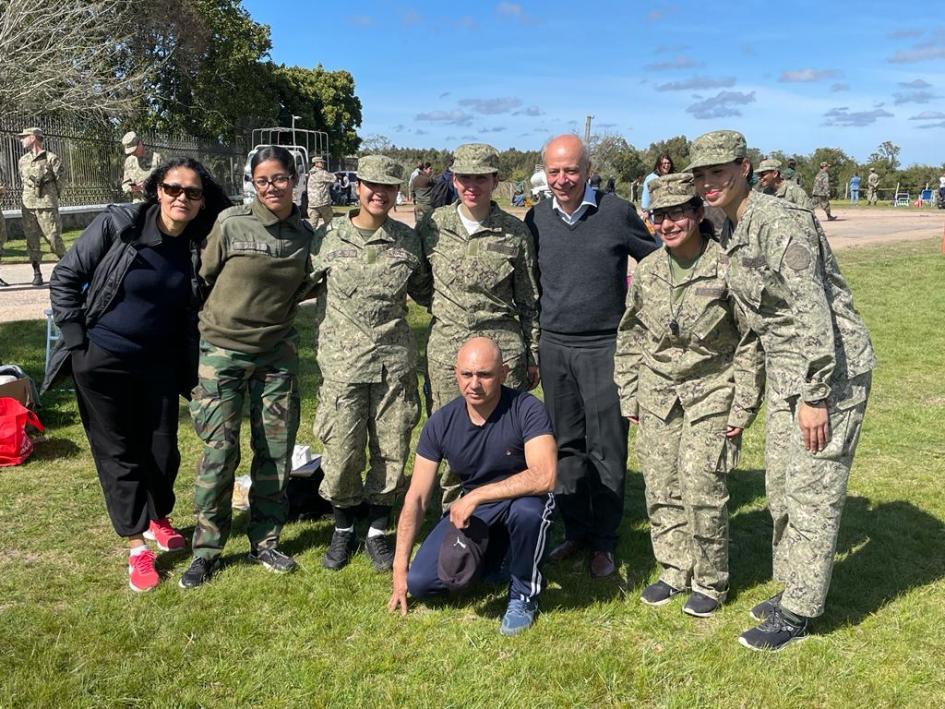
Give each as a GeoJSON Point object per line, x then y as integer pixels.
{"type": "Point", "coordinates": [56, 449]}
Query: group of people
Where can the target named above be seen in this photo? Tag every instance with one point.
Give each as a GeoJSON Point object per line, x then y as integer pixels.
{"type": "Point", "coordinates": [183, 294]}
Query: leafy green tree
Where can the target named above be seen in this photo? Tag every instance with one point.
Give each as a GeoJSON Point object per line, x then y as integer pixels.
{"type": "Point", "coordinates": [887, 155]}
{"type": "Point", "coordinates": [677, 147]}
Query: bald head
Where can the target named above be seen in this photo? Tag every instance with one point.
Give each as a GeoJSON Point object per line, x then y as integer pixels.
{"type": "Point", "coordinates": [570, 147]}
{"type": "Point", "coordinates": [480, 373]}
{"type": "Point", "coordinates": [481, 350]}
{"type": "Point", "coordinates": [567, 165]}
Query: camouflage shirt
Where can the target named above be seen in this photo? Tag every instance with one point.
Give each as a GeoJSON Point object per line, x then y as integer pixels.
{"type": "Point", "coordinates": [783, 274]}
{"type": "Point", "coordinates": [483, 284]}
{"type": "Point", "coordinates": [362, 299]}
{"type": "Point", "coordinates": [821, 184]}
{"type": "Point", "coordinates": [793, 193]}
{"type": "Point", "coordinates": [714, 364]}
{"type": "Point", "coordinates": [319, 188]}
{"type": "Point", "coordinates": [39, 175]}
{"type": "Point", "coordinates": [137, 170]}
{"type": "Point", "coordinates": [873, 179]}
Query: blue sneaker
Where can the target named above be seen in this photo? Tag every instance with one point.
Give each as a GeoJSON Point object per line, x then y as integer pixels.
{"type": "Point", "coordinates": [519, 616]}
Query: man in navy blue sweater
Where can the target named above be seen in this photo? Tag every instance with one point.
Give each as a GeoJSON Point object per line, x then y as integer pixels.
{"type": "Point", "coordinates": [498, 441]}
{"type": "Point", "coordinates": [583, 238]}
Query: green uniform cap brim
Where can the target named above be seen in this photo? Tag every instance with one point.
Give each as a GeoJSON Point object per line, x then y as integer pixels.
{"type": "Point", "coordinates": [473, 169]}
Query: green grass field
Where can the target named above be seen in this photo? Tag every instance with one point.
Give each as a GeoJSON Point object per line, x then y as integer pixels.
{"type": "Point", "coordinates": [72, 634]}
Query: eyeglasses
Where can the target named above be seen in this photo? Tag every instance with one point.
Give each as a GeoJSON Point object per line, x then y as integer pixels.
{"type": "Point", "coordinates": [673, 214]}
{"type": "Point", "coordinates": [174, 191]}
{"type": "Point", "coordinates": [280, 182]}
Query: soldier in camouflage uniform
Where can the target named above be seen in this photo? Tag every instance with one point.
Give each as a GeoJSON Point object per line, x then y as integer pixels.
{"type": "Point", "coordinates": [139, 164]}
{"type": "Point", "coordinates": [819, 362]}
{"type": "Point", "coordinates": [367, 264]}
{"type": "Point", "coordinates": [771, 182]}
{"type": "Point", "coordinates": [319, 193]}
{"type": "Point", "coordinates": [40, 172]}
{"type": "Point", "coordinates": [691, 376]}
{"type": "Point", "coordinates": [790, 172]}
{"type": "Point", "coordinates": [484, 282]}
{"type": "Point", "coordinates": [256, 263]}
{"type": "Point", "coordinates": [820, 195]}
{"type": "Point", "coordinates": [3, 225]}
{"type": "Point", "coordinates": [872, 184]}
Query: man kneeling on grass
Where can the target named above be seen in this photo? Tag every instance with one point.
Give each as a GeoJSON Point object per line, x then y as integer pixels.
{"type": "Point", "coordinates": [499, 442]}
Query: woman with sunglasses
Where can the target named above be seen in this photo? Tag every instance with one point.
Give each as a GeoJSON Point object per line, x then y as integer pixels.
{"type": "Point", "coordinates": [257, 268]}
{"type": "Point", "coordinates": [125, 297]}
{"type": "Point", "coordinates": [691, 377]}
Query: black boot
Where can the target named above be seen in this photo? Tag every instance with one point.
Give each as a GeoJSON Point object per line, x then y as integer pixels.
{"type": "Point", "coordinates": [37, 275]}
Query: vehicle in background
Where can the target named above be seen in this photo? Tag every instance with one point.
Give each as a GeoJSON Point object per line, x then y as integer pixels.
{"type": "Point", "coordinates": [301, 143]}
{"type": "Point", "coordinates": [345, 189]}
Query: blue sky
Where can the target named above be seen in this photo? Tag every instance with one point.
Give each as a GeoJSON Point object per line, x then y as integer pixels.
{"type": "Point", "coordinates": [790, 75]}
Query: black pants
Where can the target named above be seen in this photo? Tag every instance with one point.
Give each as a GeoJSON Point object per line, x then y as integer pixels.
{"type": "Point", "coordinates": [129, 410]}
{"type": "Point", "coordinates": [577, 375]}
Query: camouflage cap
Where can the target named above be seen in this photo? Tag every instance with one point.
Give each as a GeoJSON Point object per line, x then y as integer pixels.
{"type": "Point", "coordinates": [768, 165]}
{"type": "Point", "coordinates": [671, 190]}
{"type": "Point", "coordinates": [475, 159]}
{"type": "Point", "coordinates": [825, 164]}
{"type": "Point", "coordinates": [38, 132]}
{"type": "Point", "coordinates": [717, 148]}
{"type": "Point", "coordinates": [317, 159]}
{"type": "Point", "coordinates": [130, 141]}
{"type": "Point", "coordinates": [380, 169]}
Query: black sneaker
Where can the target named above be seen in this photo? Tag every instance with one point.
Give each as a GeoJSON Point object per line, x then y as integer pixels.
{"type": "Point", "coordinates": [273, 560]}
{"type": "Point", "coordinates": [340, 550]}
{"type": "Point", "coordinates": [199, 572]}
{"type": "Point", "coordinates": [658, 594]}
{"type": "Point", "coordinates": [3, 283]}
{"type": "Point", "coordinates": [764, 609]}
{"type": "Point", "coordinates": [380, 551]}
{"type": "Point", "coordinates": [774, 633]}
{"type": "Point", "coordinates": [701, 605]}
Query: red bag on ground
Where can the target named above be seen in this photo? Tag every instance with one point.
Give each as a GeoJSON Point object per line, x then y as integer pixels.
{"type": "Point", "coordinates": [15, 445]}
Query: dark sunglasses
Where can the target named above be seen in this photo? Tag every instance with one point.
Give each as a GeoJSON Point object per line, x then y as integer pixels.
{"type": "Point", "coordinates": [173, 191]}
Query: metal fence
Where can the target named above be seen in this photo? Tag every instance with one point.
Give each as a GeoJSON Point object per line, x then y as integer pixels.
{"type": "Point", "coordinates": [92, 158]}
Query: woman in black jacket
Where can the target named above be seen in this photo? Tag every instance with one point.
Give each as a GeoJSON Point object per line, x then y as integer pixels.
{"type": "Point", "coordinates": [126, 297]}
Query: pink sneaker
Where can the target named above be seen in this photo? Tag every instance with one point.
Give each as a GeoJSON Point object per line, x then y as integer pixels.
{"type": "Point", "coordinates": [167, 538]}
{"type": "Point", "coordinates": [142, 576]}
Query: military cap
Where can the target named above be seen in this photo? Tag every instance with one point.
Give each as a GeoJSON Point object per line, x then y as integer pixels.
{"type": "Point", "coordinates": [380, 169]}
{"type": "Point", "coordinates": [768, 165]}
{"type": "Point", "coordinates": [130, 141]}
{"type": "Point", "coordinates": [872, 169]}
{"type": "Point", "coordinates": [475, 159]}
{"type": "Point", "coordinates": [717, 148]}
{"type": "Point", "coordinates": [318, 159]}
{"type": "Point", "coordinates": [671, 190]}
{"type": "Point", "coordinates": [825, 164]}
{"type": "Point", "coordinates": [38, 132]}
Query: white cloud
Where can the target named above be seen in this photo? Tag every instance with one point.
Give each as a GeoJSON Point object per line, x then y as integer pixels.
{"type": "Point", "coordinates": [844, 118]}
{"type": "Point", "coordinates": [491, 106]}
{"type": "Point", "coordinates": [723, 105]}
{"type": "Point", "coordinates": [807, 75]}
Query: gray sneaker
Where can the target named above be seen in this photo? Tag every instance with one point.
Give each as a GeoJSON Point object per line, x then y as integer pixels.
{"type": "Point", "coordinates": [658, 594]}
{"type": "Point", "coordinates": [764, 609]}
{"type": "Point", "coordinates": [273, 560]}
{"type": "Point", "coordinates": [700, 605]}
{"type": "Point", "coordinates": [199, 572]}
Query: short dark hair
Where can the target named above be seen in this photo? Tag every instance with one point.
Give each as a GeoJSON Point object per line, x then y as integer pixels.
{"type": "Point", "coordinates": [215, 199]}
{"type": "Point", "coordinates": [277, 153]}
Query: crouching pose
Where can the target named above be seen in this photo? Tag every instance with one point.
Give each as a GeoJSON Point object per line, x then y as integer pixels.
{"type": "Point", "coordinates": [499, 443]}
{"type": "Point", "coordinates": [692, 378]}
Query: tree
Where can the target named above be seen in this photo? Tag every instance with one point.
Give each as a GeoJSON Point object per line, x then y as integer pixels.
{"type": "Point", "coordinates": [677, 148]}
{"type": "Point", "coordinates": [70, 56]}
{"type": "Point", "coordinates": [375, 144]}
{"type": "Point", "coordinates": [886, 155]}
{"type": "Point", "coordinates": [613, 156]}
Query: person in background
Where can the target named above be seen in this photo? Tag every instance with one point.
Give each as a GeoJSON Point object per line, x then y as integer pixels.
{"type": "Point", "coordinates": [125, 298]}
{"type": "Point", "coordinates": [139, 164]}
{"type": "Point", "coordinates": [256, 265]}
{"type": "Point", "coordinates": [662, 166]}
{"type": "Point", "coordinates": [318, 186]}
{"type": "Point", "coordinates": [40, 173]}
{"type": "Point", "coordinates": [855, 188]}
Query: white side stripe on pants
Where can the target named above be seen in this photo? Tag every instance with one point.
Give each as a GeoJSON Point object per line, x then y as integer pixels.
{"type": "Point", "coordinates": [535, 586]}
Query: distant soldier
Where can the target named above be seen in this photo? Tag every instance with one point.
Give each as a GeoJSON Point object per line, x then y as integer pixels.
{"type": "Point", "coordinates": [771, 182]}
{"type": "Point", "coordinates": [367, 264]}
{"type": "Point", "coordinates": [790, 172]}
{"type": "Point", "coordinates": [423, 192]}
{"type": "Point", "coordinates": [139, 164]}
{"type": "Point", "coordinates": [821, 191]}
{"type": "Point", "coordinates": [319, 193]}
{"type": "Point", "coordinates": [40, 172]}
{"type": "Point", "coordinates": [3, 226]}
{"type": "Point", "coordinates": [872, 183]}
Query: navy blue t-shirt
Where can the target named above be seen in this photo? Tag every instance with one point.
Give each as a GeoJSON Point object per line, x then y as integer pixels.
{"type": "Point", "coordinates": [488, 453]}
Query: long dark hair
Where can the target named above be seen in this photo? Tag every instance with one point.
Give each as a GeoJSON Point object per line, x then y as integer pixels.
{"type": "Point", "coordinates": [659, 159]}
{"type": "Point", "coordinates": [215, 199]}
{"type": "Point", "coordinates": [277, 153]}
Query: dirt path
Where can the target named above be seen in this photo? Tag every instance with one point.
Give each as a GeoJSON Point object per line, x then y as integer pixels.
{"type": "Point", "coordinates": [854, 227]}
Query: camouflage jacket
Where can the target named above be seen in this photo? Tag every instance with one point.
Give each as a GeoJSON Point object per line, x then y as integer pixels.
{"type": "Point", "coordinates": [793, 193]}
{"type": "Point", "coordinates": [873, 179]}
{"type": "Point", "coordinates": [40, 175]}
{"type": "Point", "coordinates": [483, 284]}
{"type": "Point", "coordinates": [362, 299]}
{"type": "Point", "coordinates": [783, 274]}
{"type": "Point", "coordinates": [319, 188]}
{"type": "Point", "coordinates": [714, 364]}
{"type": "Point", "coordinates": [821, 184]}
{"type": "Point", "coordinates": [137, 170]}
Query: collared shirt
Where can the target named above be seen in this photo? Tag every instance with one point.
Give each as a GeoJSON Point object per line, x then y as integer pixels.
{"type": "Point", "coordinates": [589, 200]}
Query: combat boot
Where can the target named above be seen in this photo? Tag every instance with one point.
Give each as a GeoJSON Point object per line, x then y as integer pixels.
{"type": "Point", "coordinates": [37, 275]}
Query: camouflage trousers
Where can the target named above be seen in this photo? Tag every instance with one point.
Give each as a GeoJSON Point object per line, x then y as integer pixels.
{"type": "Point", "coordinates": [42, 223]}
{"type": "Point", "coordinates": [822, 202]}
{"type": "Point", "coordinates": [324, 214]}
{"type": "Point", "coordinates": [420, 211]}
{"type": "Point", "coordinates": [871, 195]}
{"type": "Point", "coordinates": [355, 418]}
{"type": "Point", "coordinates": [806, 492]}
{"type": "Point", "coordinates": [441, 389]}
{"type": "Point", "coordinates": [225, 379]}
{"type": "Point", "coordinates": [684, 465]}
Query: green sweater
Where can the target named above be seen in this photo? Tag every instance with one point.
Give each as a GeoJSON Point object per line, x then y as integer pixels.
{"type": "Point", "coordinates": [258, 269]}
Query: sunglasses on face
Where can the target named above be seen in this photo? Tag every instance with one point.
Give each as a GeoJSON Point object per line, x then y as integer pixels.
{"type": "Point", "coordinates": [174, 191]}
{"type": "Point", "coordinates": [673, 214]}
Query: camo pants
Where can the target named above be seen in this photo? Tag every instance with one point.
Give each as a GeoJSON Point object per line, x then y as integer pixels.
{"type": "Point", "coordinates": [225, 379]}
{"type": "Point", "coordinates": [42, 223]}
